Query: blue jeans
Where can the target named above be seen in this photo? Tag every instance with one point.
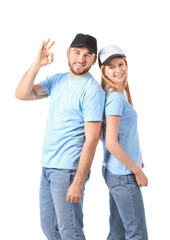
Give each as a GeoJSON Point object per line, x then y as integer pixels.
{"type": "Point", "coordinates": [60, 220]}
{"type": "Point", "coordinates": [127, 216]}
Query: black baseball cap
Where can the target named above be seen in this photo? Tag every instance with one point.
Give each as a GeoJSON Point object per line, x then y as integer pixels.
{"type": "Point", "coordinates": [85, 40]}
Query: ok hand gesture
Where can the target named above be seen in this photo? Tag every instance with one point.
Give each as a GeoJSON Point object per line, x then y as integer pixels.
{"type": "Point", "coordinates": [44, 57]}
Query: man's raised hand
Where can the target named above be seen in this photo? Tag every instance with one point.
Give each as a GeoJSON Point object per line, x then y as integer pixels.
{"type": "Point", "coordinates": [44, 56]}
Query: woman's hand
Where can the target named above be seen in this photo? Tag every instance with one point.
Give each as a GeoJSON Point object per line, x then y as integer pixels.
{"type": "Point", "coordinates": [141, 178]}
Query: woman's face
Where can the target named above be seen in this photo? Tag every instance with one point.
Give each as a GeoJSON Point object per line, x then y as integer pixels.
{"type": "Point", "coordinates": [116, 70]}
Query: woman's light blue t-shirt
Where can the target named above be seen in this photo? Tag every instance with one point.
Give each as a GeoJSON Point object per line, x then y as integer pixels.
{"type": "Point", "coordinates": [117, 105]}
{"type": "Point", "coordinates": [72, 102]}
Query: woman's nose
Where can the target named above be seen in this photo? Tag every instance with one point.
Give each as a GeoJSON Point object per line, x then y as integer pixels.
{"type": "Point", "coordinates": [117, 69]}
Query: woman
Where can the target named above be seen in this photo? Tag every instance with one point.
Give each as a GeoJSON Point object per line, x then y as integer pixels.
{"type": "Point", "coordinates": [122, 165]}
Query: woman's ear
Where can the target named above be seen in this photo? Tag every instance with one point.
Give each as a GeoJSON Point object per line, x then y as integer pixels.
{"type": "Point", "coordinates": [103, 70]}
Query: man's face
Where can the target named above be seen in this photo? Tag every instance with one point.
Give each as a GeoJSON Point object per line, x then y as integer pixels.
{"type": "Point", "coordinates": [80, 60]}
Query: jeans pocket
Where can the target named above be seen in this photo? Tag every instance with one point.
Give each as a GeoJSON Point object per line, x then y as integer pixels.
{"type": "Point", "coordinates": [112, 180]}
{"type": "Point", "coordinates": [72, 174]}
{"type": "Point", "coordinates": [115, 184]}
{"type": "Point", "coordinates": [131, 179]}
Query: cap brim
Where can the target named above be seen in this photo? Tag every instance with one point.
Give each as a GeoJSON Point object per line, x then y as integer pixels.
{"type": "Point", "coordinates": [111, 57]}
{"type": "Point", "coordinates": [83, 45]}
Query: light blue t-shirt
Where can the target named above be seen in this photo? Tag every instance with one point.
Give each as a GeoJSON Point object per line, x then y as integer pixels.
{"type": "Point", "coordinates": [116, 104]}
{"type": "Point", "coordinates": [72, 102]}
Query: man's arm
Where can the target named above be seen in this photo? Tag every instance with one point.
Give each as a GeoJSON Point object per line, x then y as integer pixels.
{"type": "Point", "coordinates": [92, 133]}
{"type": "Point", "coordinates": [26, 89]}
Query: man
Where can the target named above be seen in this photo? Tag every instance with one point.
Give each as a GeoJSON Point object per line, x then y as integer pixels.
{"type": "Point", "coordinates": [72, 133]}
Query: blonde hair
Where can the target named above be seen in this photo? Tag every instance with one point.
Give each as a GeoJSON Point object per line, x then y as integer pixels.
{"type": "Point", "coordinates": [108, 83]}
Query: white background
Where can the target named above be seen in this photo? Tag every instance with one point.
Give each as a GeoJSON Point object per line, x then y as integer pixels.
{"type": "Point", "coordinates": [141, 29]}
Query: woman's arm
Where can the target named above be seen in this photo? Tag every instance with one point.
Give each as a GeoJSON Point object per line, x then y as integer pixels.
{"type": "Point", "coordinates": [113, 146]}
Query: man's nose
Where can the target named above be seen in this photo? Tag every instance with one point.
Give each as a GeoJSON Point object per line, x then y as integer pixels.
{"type": "Point", "coordinates": [81, 58]}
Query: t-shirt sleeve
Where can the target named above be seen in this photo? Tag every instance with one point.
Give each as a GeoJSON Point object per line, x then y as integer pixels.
{"type": "Point", "coordinates": [48, 83]}
{"type": "Point", "coordinates": [114, 105]}
{"type": "Point", "coordinates": [93, 106]}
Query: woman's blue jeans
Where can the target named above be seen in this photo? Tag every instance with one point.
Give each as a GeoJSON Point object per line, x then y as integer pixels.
{"type": "Point", "coordinates": [127, 215]}
{"type": "Point", "coordinates": [60, 220]}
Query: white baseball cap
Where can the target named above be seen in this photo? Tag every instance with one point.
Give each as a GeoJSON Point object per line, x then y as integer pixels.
{"type": "Point", "coordinates": [107, 53]}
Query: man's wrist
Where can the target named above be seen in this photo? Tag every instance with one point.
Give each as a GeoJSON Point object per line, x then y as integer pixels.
{"type": "Point", "coordinates": [78, 181]}
{"type": "Point", "coordinates": [36, 65]}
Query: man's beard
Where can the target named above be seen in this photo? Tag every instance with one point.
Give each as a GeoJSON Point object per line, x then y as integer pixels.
{"type": "Point", "coordinates": [78, 73]}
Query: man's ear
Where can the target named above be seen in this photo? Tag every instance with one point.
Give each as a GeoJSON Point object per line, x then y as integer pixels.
{"type": "Point", "coordinates": [68, 52]}
{"type": "Point", "coordinates": [95, 59]}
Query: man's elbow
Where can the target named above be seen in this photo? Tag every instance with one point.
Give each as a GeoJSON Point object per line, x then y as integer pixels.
{"type": "Point", "coordinates": [18, 96]}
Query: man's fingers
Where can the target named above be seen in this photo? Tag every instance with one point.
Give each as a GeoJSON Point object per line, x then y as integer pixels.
{"type": "Point", "coordinates": [73, 199]}
{"type": "Point", "coordinates": [46, 43]}
{"type": "Point", "coordinates": [50, 57]}
{"type": "Point", "coordinates": [50, 45]}
{"type": "Point", "coordinates": [42, 45]}
{"type": "Point", "coordinates": [45, 46]}
{"type": "Point", "coordinates": [67, 198]}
